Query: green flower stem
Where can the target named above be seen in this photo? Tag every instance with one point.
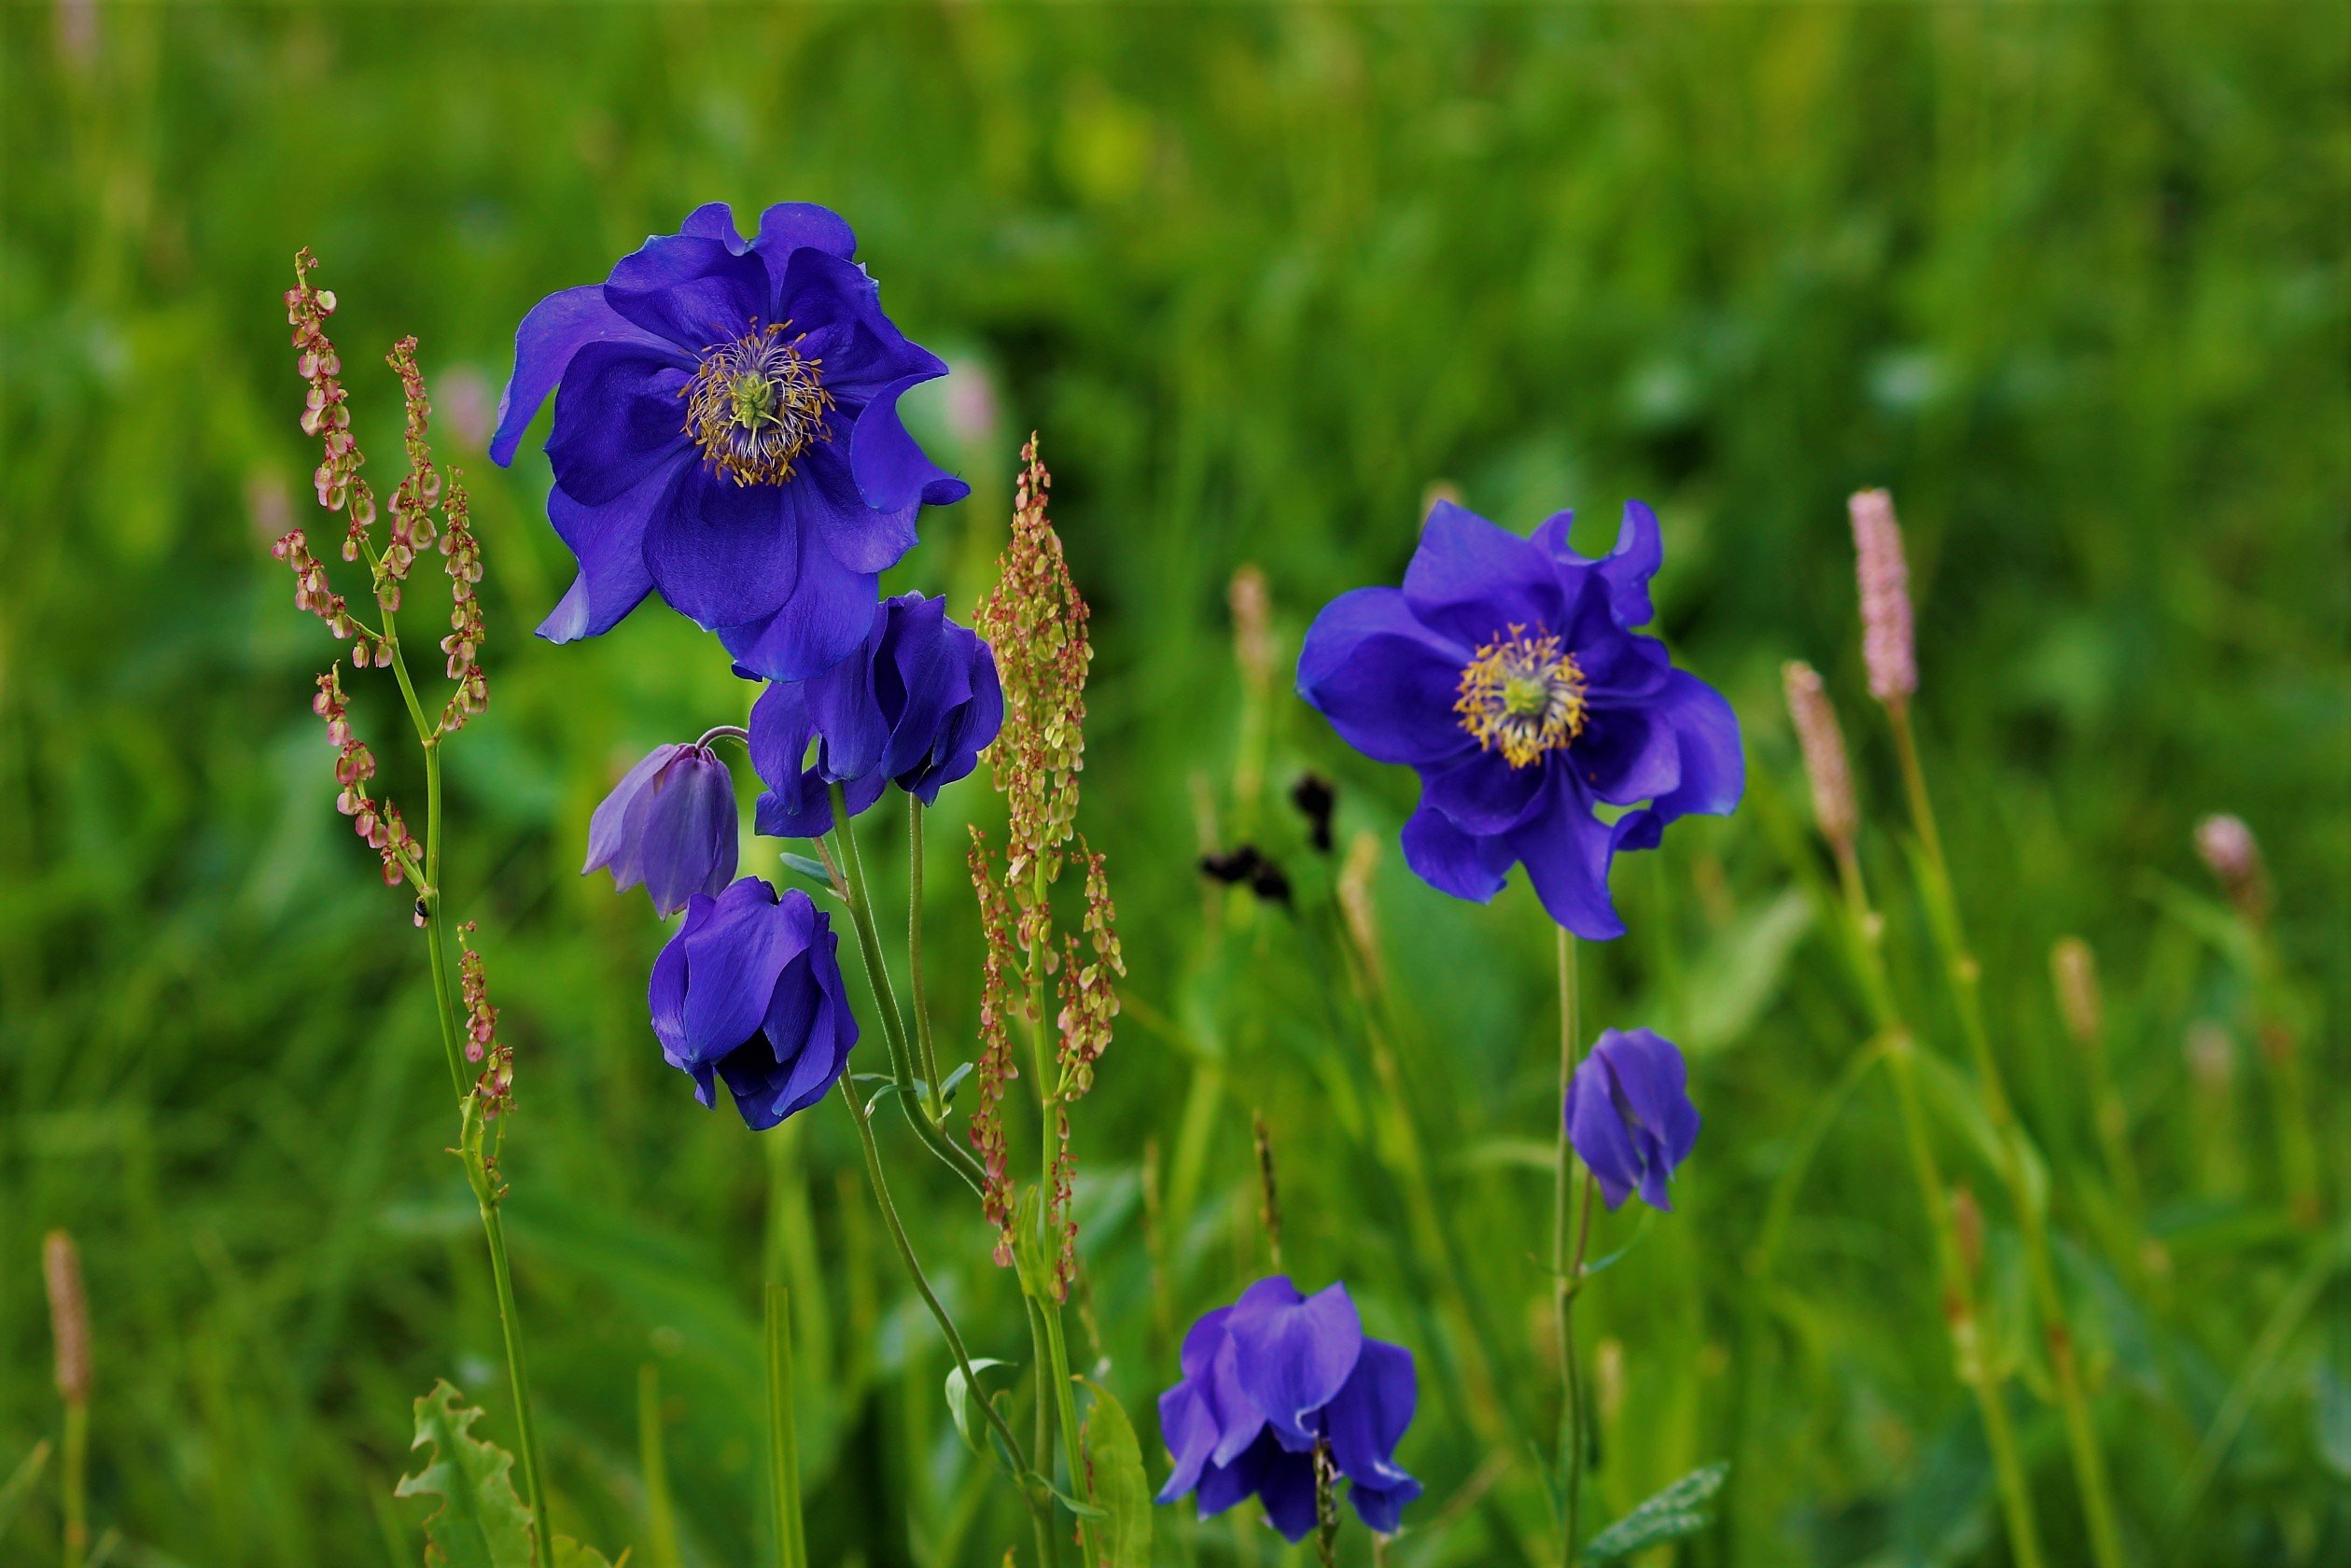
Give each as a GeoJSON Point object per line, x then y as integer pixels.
{"type": "Point", "coordinates": [1562, 1269]}
{"type": "Point", "coordinates": [783, 1437]}
{"type": "Point", "coordinates": [859, 900]}
{"type": "Point", "coordinates": [2281, 1048]}
{"type": "Point", "coordinates": [1900, 1050]}
{"type": "Point", "coordinates": [927, 1049]}
{"type": "Point", "coordinates": [73, 1484]}
{"type": "Point", "coordinates": [922, 1281]}
{"type": "Point", "coordinates": [1966, 980]}
{"type": "Point", "coordinates": [445, 1008]}
{"type": "Point", "coordinates": [1040, 1357]}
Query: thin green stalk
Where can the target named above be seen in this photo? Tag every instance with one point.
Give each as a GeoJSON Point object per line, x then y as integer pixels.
{"type": "Point", "coordinates": [2281, 1048]}
{"type": "Point", "coordinates": [783, 1436]}
{"type": "Point", "coordinates": [1040, 1357]}
{"type": "Point", "coordinates": [74, 1484]}
{"type": "Point", "coordinates": [1900, 1047]}
{"type": "Point", "coordinates": [927, 1049]}
{"type": "Point", "coordinates": [445, 1009]}
{"type": "Point", "coordinates": [1562, 1276]}
{"type": "Point", "coordinates": [859, 900]}
{"type": "Point", "coordinates": [1967, 978]}
{"type": "Point", "coordinates": [661, 1516]}
{"type": "Point", "coordinates": [922, 1281]}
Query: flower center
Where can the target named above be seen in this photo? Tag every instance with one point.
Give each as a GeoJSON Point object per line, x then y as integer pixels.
{"type": "Point", "coordinates": [754, 405]}
{"type": "Point", "coordinates": [1521, 696]}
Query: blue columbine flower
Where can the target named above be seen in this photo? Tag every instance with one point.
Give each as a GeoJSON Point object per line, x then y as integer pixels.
{"type": "Point", "coordinates": [749, 990]}
{"type": "Point", "coordinates": [1629, 1116]}
{"type": "Point", "coordinates": [914, 705]}
{"type": "Point", "coordinates": [727, 435]}
{"type": "Point", "coordinates": [670, 824]}
{"type": "Point", "coordinates": [1506, 672]}
{"type": "Point", "coordinates": [1267, 1379]}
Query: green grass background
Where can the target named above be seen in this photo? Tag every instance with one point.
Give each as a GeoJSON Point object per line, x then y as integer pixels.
{"type": "Point", "coordinates": [2069, 279]}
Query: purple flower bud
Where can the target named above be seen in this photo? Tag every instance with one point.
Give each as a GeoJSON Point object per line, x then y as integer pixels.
{"type": "Point", "coordinates": [1629, 1116]}
{"type": "Point", "coordinates": [1887, 645]}
{"type": "Point", "coordinates": [749, 992]}
{"type": "Point", "coordinates": [670, 824]}
{"type": "Point", "coordinates": [1270, 1381]}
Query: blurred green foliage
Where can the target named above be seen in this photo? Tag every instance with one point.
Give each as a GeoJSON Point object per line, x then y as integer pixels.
{"type": "Point", "coordinates": [2069, 279]}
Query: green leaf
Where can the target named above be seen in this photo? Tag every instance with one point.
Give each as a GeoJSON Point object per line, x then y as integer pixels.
{"type": "Point", "coordinates": [812, 869]}
{"type": "Point", "coordinates": [1119, 1486]}
{"type": "Point", "coordinates": [1679, 1511]}
{"type": "Point", "coordinates": [20, 1482]}
{"type": "Point", "coordinates": [481, 1522]}
{"type": "Point", "coordinates": [571, 1554]}
{"type": "Point", "coordinates": [953, 1081]}
{"type": "Point", "coordinates": [1959, 1099]}
{"type": "Point", "coordinates": [961, 1398]}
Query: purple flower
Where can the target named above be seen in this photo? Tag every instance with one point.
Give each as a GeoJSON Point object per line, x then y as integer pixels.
{"type": "Point", "coordinates": [914, 705]}
{"type": "Point", "coordinates": [749, 990]}
{"type": "Point", "coordinates": [727, 435]}
{"type": "Point", "coordinates": [670, 824]}
{"type": "Point", "coordinates": [1267, 1379]}
{"type": "Point", "coordinates": [1629, 1116]}
{"type": "Point", "coordinates": [1506, 673]}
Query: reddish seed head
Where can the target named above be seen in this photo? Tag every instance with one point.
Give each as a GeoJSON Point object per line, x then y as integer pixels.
{"type": "Point", "coordinates": [1888, 646]}
{"type": "Point", "coordinates": [2074, 970]}
{"type": "Point", "coordinates": [2228, 846]}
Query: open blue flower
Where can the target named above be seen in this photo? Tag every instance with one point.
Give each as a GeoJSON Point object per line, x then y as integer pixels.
{"type": "Point", "coordinates": [914, 705]}
{"type": "Point", "coordinates": [727, 435]}
{"type": "Point", "coordinates": [1506, 672]}
{"type": "Point", "coordinates": [749, 992]}
{"type": "Point", "coordinates": [671, 824]}
{"type": "Point", "coordinates": [1269, 1380]}
{"type": "Point", "coordinates": [1629, 1116]}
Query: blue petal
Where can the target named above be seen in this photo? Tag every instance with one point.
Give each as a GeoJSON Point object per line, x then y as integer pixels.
{"type": "Point", "coordinates": [694, 291]}
{"type": "Point", "coordinates": [610, 542]}
{"type": "Point", "coordinates": [1655, 1083]}
{"type": "Point", "coordinates": [731, 965]}
{"type": "Point", "coordinates": [1625, 755]}
{"type": "Point", "coordinates": [828, 501]}
{"type": "Point", "coordinates": [1627, 568]}
{"type": "Point", "coordinates": [1482, 794]}
{"type": "Point", "coordinates": [1597, 1130]}
{"type": "Point", "coordinates": [836, 316]}
{"type": "Point", "coordinates": [1385, 682]}
{"type": "Point", "coordinates": [1293, 1354]}
{"type": "Point", "coordinates": [609, 847]}
{"type": "Point", "coordinates": [1566, 852]}
{"type": "Point", "coordinates": [1368, 1418]}
{"type": "Point", "coordinates": [1285, 1484]}
{"type": "Point", "coordinates": [557, 327]}
{"type": "Point", "coordinates": [714, 220]}
{"type": "Point", "coordinates": [787, 226]}
{"type": "Point", "coordinates": [1381, 1509]}
{"type": "Point", "coordinates": [892, 472]}
{"type": "Point", "coordinates": [618, 417]}
{"type": "Point", "coordinates": [685, 827]}
{"type": "Point", "coordinates": [1453, 862]}
{"type": "Point", "coordinates": [723, 553]}
{"type": "Point", "coordinates": [824, 619]}
{"type": "Point", "coordinates": [1713, 766]}
{"type": "Point", "coordinates": [1473, 581]}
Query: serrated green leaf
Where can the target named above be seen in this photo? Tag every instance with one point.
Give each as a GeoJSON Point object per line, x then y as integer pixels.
{"type": "Point", "coordinates": [571, 1554]}
{"type": "Point", "coordinates": [1677, 1511]}
{"type": "Point", "coordinates": [960, 1403]}
{"type": "Point", "coordinates": [481, 1522]}
{"type": "Point", "coordinates": [1119, 1486]}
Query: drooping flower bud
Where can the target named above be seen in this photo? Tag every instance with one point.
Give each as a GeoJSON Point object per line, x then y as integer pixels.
{"type": "Point", "coordinates": [671, 824]}
{"type": "Point", "coordinates": [1824, 746]}
{"type": "Point", "coordinates": [1629, 1116]}
{"type": "Point", "coordinates": [1888, 644]}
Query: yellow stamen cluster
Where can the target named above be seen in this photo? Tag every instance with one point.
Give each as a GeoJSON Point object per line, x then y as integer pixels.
{"type": "Point", "coordinates": [754, 405]}
{"type": "Point", "coordinates": [1522, 696]}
